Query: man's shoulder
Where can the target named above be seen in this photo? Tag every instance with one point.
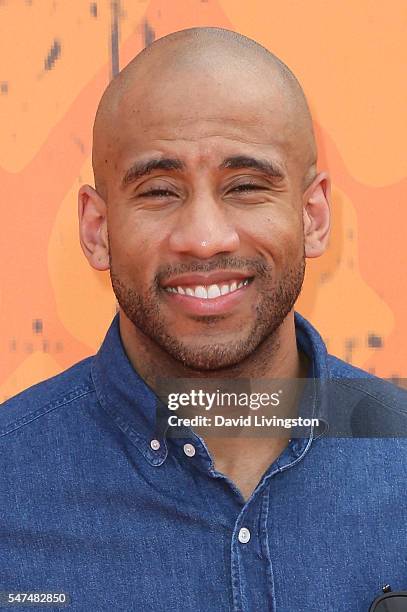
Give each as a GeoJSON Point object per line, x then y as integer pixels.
{"type": "Point", "coordinates": [376, 405]}
{"type": "Point", "coordinates": [45, 396]}
{"type": "Point", "coordinates": [352, 377]}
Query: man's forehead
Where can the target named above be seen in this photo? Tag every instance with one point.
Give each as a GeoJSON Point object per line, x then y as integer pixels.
{"type": "Point", "coordinates": [201, 144]}
{"type": "Point", "coordinates": [199, 135]}
{"type": "Point", "coordinates": [202, 137]}
{"type": "Point", "coordinates": [215, 103]}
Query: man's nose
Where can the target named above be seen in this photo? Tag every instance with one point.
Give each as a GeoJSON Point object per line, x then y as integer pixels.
{"type": "Point", "coordinates": [203, 228]}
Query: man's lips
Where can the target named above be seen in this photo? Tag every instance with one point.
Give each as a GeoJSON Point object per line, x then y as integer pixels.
{"type": "Point", "coordinates": [214, 278]}
{"type": "Point", "coordinates": [213, 299]}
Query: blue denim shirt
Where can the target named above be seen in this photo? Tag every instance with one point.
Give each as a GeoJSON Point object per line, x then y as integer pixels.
{"type": "Point", "coordinates": [89, 508]}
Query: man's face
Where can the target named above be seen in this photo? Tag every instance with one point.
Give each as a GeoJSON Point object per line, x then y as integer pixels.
{"type": "Point", "coordinates": [231, 222]}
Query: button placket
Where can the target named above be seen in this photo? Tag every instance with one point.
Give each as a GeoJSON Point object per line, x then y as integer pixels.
{"type": "Point", "coordinates": [251, 569]}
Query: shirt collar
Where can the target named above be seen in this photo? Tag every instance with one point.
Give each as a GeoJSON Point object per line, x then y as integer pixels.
{"type": "Point", "coordinates": [314, 401]}
{"type": "Point", "coordinates": [140, 414]}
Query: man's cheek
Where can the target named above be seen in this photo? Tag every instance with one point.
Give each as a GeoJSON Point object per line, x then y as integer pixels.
{"type": "Point", "coordinates": [131, 249]}
{"type": "Point", "coordinates": [281, 241]}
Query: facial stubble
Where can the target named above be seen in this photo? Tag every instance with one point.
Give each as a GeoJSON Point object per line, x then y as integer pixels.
{"type": "Point", "coordinates": [275, 299]}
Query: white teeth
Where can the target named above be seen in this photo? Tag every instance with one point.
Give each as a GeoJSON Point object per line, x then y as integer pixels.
{"type": "Point", "coordinates": [213, 291]}
{"type": "Point", "coordinates": [209, 292]}
{"type": "Point", "coordinates": [201, 292]}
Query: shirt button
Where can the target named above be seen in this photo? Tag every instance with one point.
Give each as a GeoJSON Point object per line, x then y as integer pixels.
{"type": "Point", "coordinates": [155, 445]}
{"type": "Point", "coordinates": [189, 450]}
{"type": "Point", "coordinates": [244, 535]}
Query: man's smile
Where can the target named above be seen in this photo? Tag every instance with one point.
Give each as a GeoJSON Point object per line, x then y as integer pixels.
{"type": "Point", "coordinates": [209, 299]}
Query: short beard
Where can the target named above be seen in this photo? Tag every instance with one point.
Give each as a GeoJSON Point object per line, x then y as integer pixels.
{"type": "Point", "coordinates": [273, 305]}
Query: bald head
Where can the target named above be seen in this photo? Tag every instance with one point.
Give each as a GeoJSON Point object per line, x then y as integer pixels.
{"type": "Point", "coordinates": [171, 75]}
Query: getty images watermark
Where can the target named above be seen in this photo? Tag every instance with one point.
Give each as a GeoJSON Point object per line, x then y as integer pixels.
{"type": "Point", "coordinates": [287, 408]}
{"type": "Point", "coordinates": [207, 401]}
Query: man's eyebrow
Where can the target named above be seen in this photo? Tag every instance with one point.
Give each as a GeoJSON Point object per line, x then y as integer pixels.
{"type": "Point", "coordinates": [236, 162]}
{"type": "Point", "coordinates": [143, 168]}
{"type": "Point", "coordinates": [239, 162]}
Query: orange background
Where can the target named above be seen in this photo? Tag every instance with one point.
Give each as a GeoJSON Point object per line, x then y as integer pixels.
{"type": "Point", "coordinates": [56, 59]}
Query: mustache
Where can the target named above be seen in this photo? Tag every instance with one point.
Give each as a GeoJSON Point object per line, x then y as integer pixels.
{"type": "Point", "coordinates": [230, 264]}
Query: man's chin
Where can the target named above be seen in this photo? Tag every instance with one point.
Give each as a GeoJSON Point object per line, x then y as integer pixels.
{"type": "Point", "coordinates": [205, 364]}
{"type": "Point", "coordinates": [209, 357]}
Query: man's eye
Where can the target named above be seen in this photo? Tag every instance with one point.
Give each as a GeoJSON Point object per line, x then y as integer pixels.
{"type": "Point", "coordinates": [157, 192]}
{"type": "Point", "coordinates": [166, 192]}
{"type": "Point", "coordinates": [246, 187]}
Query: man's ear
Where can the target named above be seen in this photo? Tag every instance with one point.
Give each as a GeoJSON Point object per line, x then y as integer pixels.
{"type": "Point", "coordinates": [93, 227]}
{"type": "Point", "coordinates": [316, 214]}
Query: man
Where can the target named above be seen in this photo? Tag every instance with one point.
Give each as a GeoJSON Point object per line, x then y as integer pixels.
{"type": "Point", "coordinates": [207, 201]}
